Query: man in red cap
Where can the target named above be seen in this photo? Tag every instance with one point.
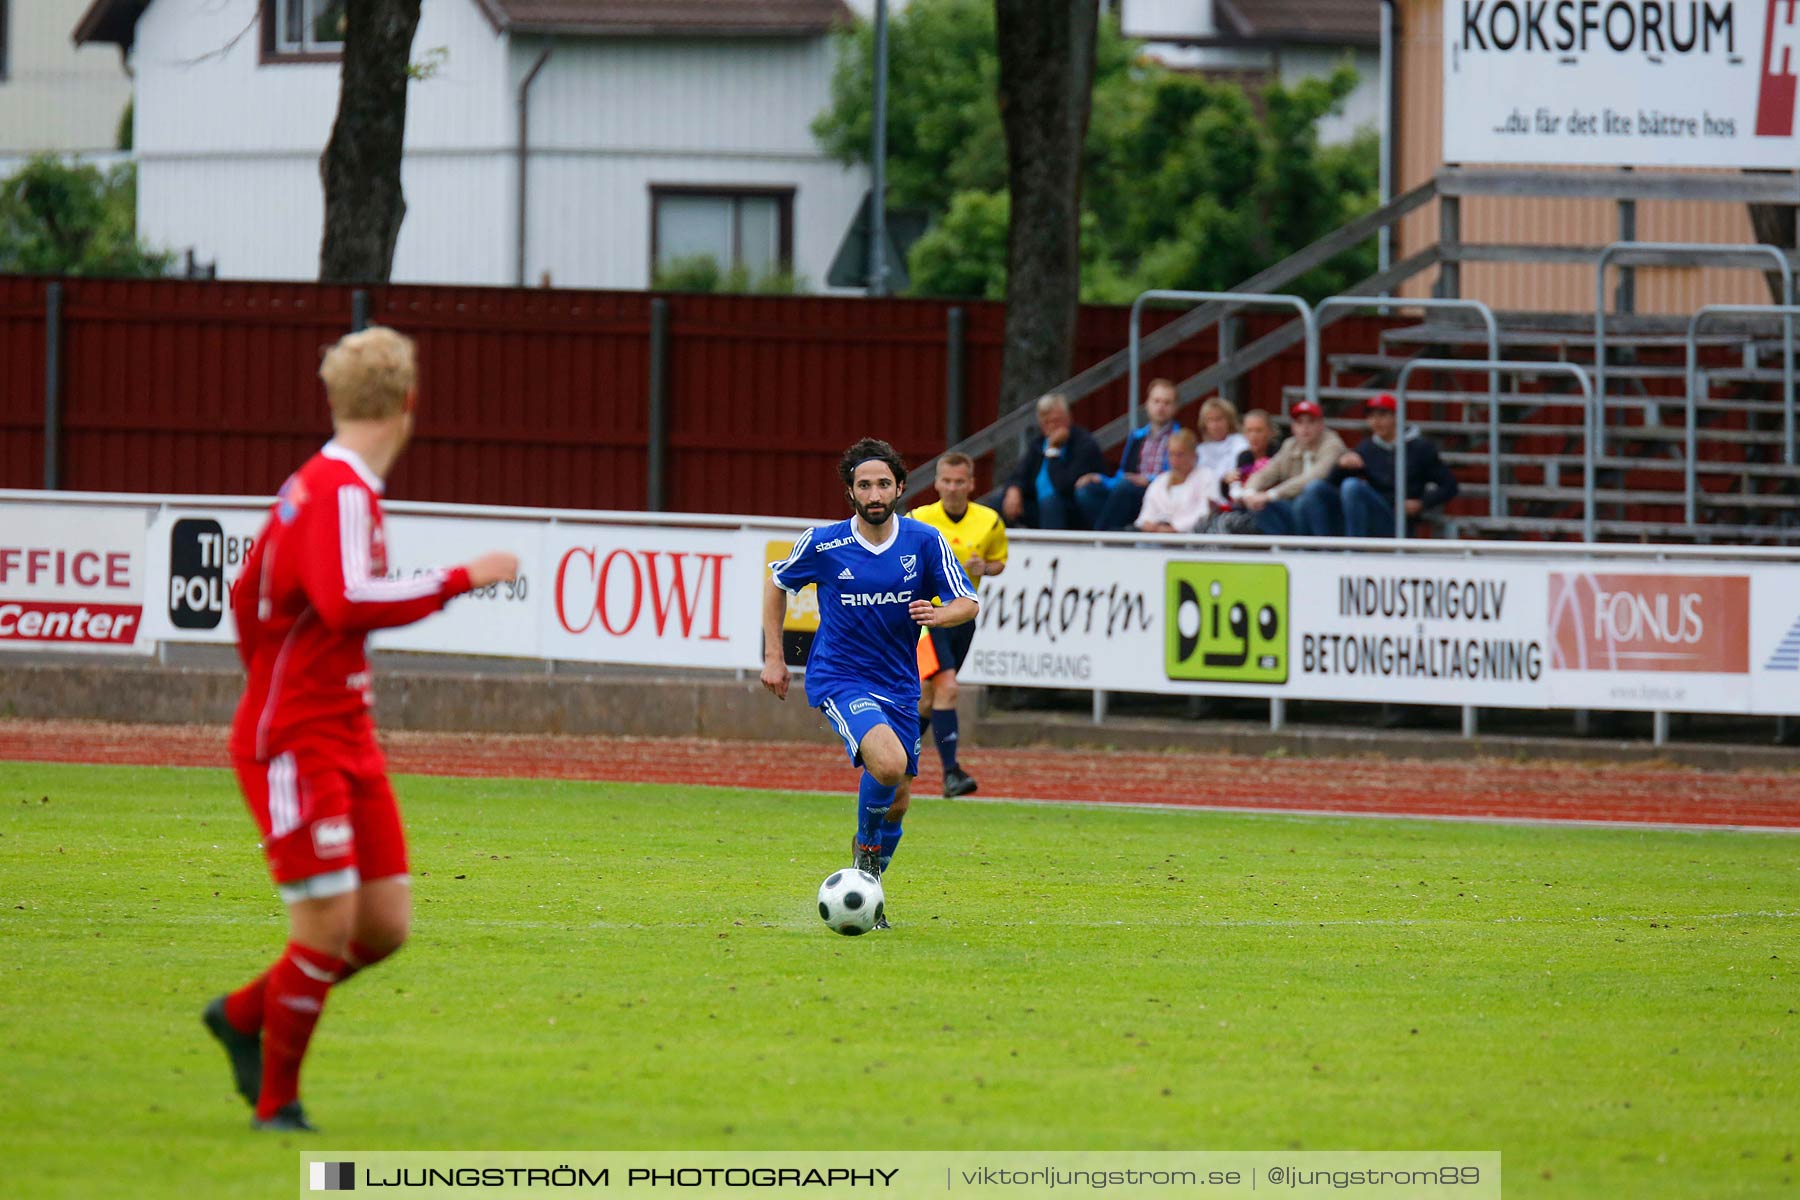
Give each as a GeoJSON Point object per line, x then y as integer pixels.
{"type": "Point", "coordinates": [1357, 498]}
{"type": "Point", "coordinates": [1305, 458]}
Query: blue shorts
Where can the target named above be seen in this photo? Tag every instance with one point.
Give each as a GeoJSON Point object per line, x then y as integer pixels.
{"type": "Point", "coordinates": [853, 714]}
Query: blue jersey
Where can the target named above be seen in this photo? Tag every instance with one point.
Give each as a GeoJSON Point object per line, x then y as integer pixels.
{"type": "Point", "coordinates": [867, 640]}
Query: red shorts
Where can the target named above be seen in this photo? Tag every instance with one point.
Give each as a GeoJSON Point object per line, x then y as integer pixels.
{"type": "Point", "coordinates": [325, 808]}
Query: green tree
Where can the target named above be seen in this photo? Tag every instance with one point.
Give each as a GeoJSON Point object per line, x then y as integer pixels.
{"type": "Point", "coordinates": [1186, 183]}
{"type": "Point", "coordinates": [58, 218]}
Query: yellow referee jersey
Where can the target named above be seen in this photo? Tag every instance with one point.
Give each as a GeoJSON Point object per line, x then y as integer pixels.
{"type": "Point", "coordinates": [979, 531]}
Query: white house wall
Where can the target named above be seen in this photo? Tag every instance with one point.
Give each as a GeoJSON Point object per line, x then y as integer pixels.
{"type": "Point", "coordinates": [609, 119]}
{"type": "Point", "coordinates": [56, 96]}
{"type": "Point", "coordinates": [229, 148]}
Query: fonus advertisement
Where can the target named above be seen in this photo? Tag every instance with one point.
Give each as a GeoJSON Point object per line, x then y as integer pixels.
{"type": "Point", "coordinates": [1650, 641]}
{"type": "Point", "coordinates": [72, 579]}
{"type": "Point", "coordinates": [1653, 83]}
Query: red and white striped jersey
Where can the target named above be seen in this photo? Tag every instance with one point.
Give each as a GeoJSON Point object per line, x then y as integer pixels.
{"type": "Point", "coordinates": [312, 588]}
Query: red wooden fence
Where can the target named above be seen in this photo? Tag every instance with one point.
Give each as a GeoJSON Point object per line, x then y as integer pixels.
{"type": "Point", "coordinates": [530, 397]}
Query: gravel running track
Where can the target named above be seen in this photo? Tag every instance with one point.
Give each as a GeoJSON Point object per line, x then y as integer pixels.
{"type": "Point", "coordinates": [1483, 789]}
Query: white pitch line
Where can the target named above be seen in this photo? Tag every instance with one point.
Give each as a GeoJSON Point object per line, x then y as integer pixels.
{"type": "Point", "coordinates": [1463, 818]}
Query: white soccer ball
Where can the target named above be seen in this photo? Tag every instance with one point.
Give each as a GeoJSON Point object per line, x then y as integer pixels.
{"type": "Point", "coordinates": [850, 901]}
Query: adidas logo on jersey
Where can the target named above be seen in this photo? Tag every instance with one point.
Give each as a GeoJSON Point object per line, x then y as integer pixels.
{"type": "Point", "coordinates": [845, 574]}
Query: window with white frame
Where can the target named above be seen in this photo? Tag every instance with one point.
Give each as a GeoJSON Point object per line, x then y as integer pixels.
{"type": "Point", "coordinates": [304, 27]}
{"type": "Point", "coordinates": [750, 228]}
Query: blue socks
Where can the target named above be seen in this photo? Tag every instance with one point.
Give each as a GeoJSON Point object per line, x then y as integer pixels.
{"type": "Point", "coordinates": [943, 729]}
{"type": "Point", "coordinates": [872, 804]}
{"type": "Point", "coordinates": [890, 841]}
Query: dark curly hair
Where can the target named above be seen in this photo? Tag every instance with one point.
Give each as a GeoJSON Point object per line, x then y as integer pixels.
{"type": "Point", "coordinates": [865, 450]}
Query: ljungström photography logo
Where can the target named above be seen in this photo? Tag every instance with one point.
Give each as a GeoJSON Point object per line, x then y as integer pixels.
{"type": "Point", "coordinates": [333, 1177]}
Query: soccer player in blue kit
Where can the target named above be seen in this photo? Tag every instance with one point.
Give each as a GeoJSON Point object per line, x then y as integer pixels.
{"type": "Point", "coordinates": [876, 574]}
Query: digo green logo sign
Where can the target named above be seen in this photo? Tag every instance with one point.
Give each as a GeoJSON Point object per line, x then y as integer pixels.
{"type": "Point", "coordinates": [1226, 622]}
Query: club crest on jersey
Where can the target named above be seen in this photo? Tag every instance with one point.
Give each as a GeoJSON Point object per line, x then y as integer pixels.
{"type": "Point", "coordinates": [332, 837]}
{"type": "Point", "coordinates": [290, 499]}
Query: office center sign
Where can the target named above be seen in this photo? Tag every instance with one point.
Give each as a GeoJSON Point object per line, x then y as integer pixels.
{"type": "Point", "coordinates": [1649, 83]}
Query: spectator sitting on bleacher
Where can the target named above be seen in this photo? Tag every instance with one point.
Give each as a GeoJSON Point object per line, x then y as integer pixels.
{"type": "Point", "coordinates": [1041, 493]}
{"type": "Point", "coordinates": [1181, 498]}
{"type": "Point", "coordinates": [1308, 455]}
{"type": "Point", "coordinates": [1356, 499]}
{"type": "Point", "coordinates": [1220, 443]}
{"type": "Point", "coordinates": [1112, 501]}
{"type": "Point", "coordinates": [1259, 431]}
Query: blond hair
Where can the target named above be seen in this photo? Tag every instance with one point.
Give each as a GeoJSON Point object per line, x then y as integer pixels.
{"type": "Point", "coordinates": [1219, 404]}
{"type": "Point", "coordinates": [955, 458]}
{"type": "Point", "coordinates": [1050, 400]}
{"type": "Point", "coordinates": [368, 375]}
{"type": "Point", "coordinates": [1183, 439]}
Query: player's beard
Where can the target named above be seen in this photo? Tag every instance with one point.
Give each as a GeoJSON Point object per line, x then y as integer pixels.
{"type": "Point", "coordinates": [864, 510]}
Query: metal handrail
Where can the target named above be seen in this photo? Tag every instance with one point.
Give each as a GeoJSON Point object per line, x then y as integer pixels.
{"type": "Point", "coordinates": [1790, 311]}
{"type": "Point", "coordinates": [1244, 299]}
{"type": "Point", "coordinates": [1496, 498]}
{"type": "Point", "coordinates": [1511, 368]}
{"type": "Point", "coordinates": [1696, 251]}
{"type": "Point", "coordinates": [1345, 237]}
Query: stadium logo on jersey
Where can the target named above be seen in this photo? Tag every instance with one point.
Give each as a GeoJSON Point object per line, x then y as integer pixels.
{"type": "Point", "coordinates": [332, 837]}
{"type": "Point", "coordinates": [1226, 622]}
{"type": "Point", "coordinates": [1787, 652]}
{"type": "Point", "coordinates": [846, 574]}
{"type": "Point", "coordinates": [821, 547]}
{"type": "Point", "coordinates": [870, 599]}
{"type": "Point", "coordinates": [290, 500]}
{"type": "Point", "coordinates": [1780, 70]}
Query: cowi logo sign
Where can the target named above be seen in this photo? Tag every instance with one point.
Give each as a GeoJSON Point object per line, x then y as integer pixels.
{"type": "Point", "coordinates": [666, 593]}
{"type": "Point", "coordinates": [1634, 82]}
{"type": "Point", "coordinates": [1226, 622]}
{"type": "Point", "coordinates": [652, 596]}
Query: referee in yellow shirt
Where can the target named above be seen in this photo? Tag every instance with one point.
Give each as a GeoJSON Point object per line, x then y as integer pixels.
{"type": "Point", "coordinates": [977, 536]}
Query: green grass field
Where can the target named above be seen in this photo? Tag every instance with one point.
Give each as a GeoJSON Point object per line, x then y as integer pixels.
{"type": "Point", "coordinates": [610, 966]}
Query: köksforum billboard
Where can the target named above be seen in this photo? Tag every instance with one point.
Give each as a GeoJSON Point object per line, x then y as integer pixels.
{"type": "Point", "coordinates": [1674, 83]}
{"type": "Point", "coordinates": [1621, 631]}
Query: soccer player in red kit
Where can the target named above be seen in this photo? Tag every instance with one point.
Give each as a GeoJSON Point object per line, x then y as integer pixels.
{"type": "Point", "coordinates": [302, 742]}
